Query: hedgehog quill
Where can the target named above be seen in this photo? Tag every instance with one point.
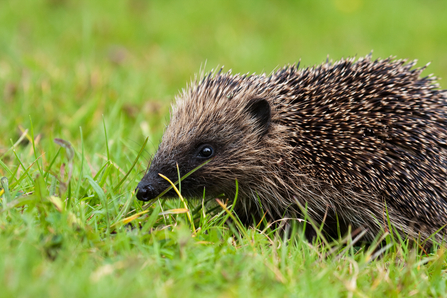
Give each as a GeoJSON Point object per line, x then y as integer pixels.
{"type": "Point", "coordinates": [355, 141]}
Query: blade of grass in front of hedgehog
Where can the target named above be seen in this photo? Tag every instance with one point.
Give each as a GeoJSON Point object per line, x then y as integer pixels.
{"type": "Point", "coordinates": [233, 205]}
{"type": "Point", "coordinates": [389, 227]}
{"type": "Point", "coordinates": [235, 220]}
{"type": "Point", "coordinates": [433, 239]}
{"type": "Point", "coordinates": [313, 225]}
{"type": "Point", "coordinates": [188, 213]}
{"type": "Point", "coordinates": [144, 207]}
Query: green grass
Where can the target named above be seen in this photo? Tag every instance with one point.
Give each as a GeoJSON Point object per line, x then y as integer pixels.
{"type": "Point", "coordinates": [100, 76]}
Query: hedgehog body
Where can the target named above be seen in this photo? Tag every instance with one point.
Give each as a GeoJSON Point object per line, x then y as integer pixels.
{"type": "Point", "coordinates": [353, 141]}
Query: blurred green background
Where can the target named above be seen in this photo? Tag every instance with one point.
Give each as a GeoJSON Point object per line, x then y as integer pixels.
{"type": "Point", "coordinates": [66, 63]}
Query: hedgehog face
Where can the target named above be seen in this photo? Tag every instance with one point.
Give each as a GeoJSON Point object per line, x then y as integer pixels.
{"type": "Point", "coordinates": [217, 133]}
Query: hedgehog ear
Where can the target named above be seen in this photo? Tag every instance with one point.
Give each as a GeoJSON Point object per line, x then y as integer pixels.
{"type": "Point", "coordinates": [259, 109]}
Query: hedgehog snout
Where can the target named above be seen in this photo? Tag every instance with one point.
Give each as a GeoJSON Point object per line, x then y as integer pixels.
{"type": "Point", "coordinates": [146, 191]}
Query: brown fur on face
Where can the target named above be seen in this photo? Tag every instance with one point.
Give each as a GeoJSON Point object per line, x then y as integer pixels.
{"type": "Point", "coordinates": [352, 140]}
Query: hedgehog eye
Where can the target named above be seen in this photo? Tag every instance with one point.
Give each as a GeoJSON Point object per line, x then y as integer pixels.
{"type": "Point", "coordinates": [206, 152]}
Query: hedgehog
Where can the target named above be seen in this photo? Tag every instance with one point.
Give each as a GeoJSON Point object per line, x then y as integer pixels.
{"type": "Point", "coordinates": [358, 143]}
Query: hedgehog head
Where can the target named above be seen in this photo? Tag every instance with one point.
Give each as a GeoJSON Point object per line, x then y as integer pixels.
{"type": "Point", "coordinates": [225, 118]}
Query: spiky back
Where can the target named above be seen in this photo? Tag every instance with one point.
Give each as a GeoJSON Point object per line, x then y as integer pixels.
{"type": "Point", "coordinates": [373, 124]}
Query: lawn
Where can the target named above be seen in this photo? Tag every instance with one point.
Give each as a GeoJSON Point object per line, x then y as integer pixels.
{"type": "Point", "coordinates": [85, 90]}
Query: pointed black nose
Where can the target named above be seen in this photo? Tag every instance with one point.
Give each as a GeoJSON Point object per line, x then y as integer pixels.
{"type": "Point", "coordinates": [145, 192]}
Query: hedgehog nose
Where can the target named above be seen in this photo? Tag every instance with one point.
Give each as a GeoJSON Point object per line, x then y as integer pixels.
{"type": "Point", "coordinates": [145, 192]}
